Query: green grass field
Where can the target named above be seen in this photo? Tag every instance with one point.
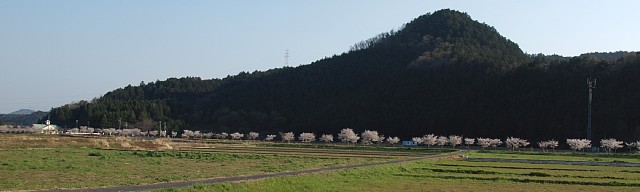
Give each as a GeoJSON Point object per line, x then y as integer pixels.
{"type": "Point", "coordinates": [29, 162]}
{"type": "Point", "coordinates": [451, 174]}
{"type": "Point", "coordinates": [46, 162]}
{"type": "Point", "coordinates": [564, 156]}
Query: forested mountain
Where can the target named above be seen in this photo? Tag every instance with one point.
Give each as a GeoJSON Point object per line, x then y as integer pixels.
{"type": "Point", "coordinates": [441, 73]}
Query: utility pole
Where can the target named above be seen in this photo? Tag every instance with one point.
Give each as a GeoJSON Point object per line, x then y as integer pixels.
{"type": "Point", "coordinates": [592, 85]}
{"type": "Point", "coordinates": [160, 131]}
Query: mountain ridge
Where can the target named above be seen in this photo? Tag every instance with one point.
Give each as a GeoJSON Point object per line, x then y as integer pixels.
{"type": "Point", "coordinates": [441, 73]}
{"type": "Point", "coordinates": [22, 112]}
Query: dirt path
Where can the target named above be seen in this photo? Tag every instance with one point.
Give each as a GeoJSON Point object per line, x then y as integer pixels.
{"type": "Point", "coordinates": [249, 177]}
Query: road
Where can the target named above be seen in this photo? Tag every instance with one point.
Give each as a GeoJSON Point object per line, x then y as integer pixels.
{"type": "Point", "coordinates": [247, 177]}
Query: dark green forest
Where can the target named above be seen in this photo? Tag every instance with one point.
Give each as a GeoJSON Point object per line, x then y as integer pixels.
{"type": "Point", "coordinates": [441, 73]}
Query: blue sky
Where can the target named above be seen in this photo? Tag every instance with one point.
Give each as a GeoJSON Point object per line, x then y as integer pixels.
{"type": "Point", "coordinates": [57, 52]}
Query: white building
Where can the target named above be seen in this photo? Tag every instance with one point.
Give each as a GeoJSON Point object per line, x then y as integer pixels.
{"type": "Point", "coordinates": [47, 128]}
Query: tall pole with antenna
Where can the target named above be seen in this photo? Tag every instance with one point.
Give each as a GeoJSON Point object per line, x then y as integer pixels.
{"type": "Point", "coordinates": [592, 85]}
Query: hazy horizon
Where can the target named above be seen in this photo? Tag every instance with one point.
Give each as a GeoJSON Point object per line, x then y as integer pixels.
{"type": "Point", "coordinates": [57, 52]}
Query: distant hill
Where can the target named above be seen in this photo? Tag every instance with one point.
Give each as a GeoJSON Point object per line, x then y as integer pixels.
{"type": "Point", "coordinates": [442, 73]}
{"type": "Point", "coordinates": [20, 118]}
{"type": "Point", "coordinates": [22, 112]}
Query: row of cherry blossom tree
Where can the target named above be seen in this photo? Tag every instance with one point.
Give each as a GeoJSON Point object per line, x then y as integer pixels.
{"type": "Point", "coordinates": [514, 142]}
{"type": "Point", "coordinates": [346, 135]}
{"type": "Point", "coordinates": [368, 137]}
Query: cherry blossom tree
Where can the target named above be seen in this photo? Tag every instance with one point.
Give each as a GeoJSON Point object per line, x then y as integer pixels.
{"type": "Point", "coordinates": [430, 140]}
{"type": "Point", "coordinates": [514, 143]}
{"type": "Point", "coordinates": [222, 135]}
{"type": "Point", "coordinates": [307, 137]}
{"type": "Point", "coordinates": [197, 134]}
{"type": "Point", "coordinates": [151, 133]}
{"type": "Point", "coordinates": [174, 134]}
{"type": "Point", "coordinates": [393, 140]}
{"type": "Point", "coordinates": [578, 144]}
{"type": "Point", "coordinates": [484, 142]}
{"type": "Point", "coordinates": [417, 140]}
{"type": "Point", "coordinates": [327, 138]}
{"type": "Point", "coordinates": [524, 143]}
{"type": "Point", "coordinates": [611, 144]}
{"type": "Point", "coordinates": [369, 137]}
{"type": "Point", "coordinates": [442, 141]}
{"type": "Point", "coordinates": [186, 134]}
{"type": "Point", "coordinates": [548, 144]}
{"type": "Point", "coordinates": [253, 135]}
{"type": "Point", "coordinates": [288, 137]}
{"type": "Point", "coordinates": [469, 141]}
{"type": "Point", "coordinates": [270, 137]}
{"type": "Point", "coordinates": [495, 143]}
{"type": "Point", "coordinates": [634, 145]}
{"type": "Point", "coordinates": [380, 140]}
{"type": "Point", "coordinates": [455, 140]}
{"type": "Point", "coordinates": [348, 136]}
{"type": "Point", "coordinates": [236, 136]}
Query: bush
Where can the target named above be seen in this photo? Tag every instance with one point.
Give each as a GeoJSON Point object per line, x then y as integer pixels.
{"type": "Point", "coordinates": [95, 154]}
{"type": "Point", "coordinates": [538, 174]}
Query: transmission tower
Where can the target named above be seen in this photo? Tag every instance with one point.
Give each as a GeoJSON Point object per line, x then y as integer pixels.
{"type": "Point", "coordinates": [592, 85]}
{"type": "Point", "coordinates": [286, 58]}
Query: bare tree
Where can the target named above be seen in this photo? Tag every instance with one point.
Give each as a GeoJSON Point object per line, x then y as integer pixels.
{"type": "Point", "coordinates": [369, 137]}
{"type": "Point", "coordinates": [430, 140]}
{"type": "Point", "coordinates": [253, 135]}
{"type": "Point", "coordinates": [288, 137]}
{"type": "Point", "coordinates": [455, 140]}
{"type": "Point", "coordinates": [469, 141]}
{"type": "Point", "coordinates": [270, 137]}
{"type": "Point", "coordinates": [348, 136]}
{"type": "Point", "coordinates": [611, 144]}
{"type": "Point", "coordinates": [307, 137]}
{"type": "Point", "coordinates": [578, 144]}
{"type": "Point", "coordinates": [327, 138]}
{"type": "Point", "coordinates": [393, 140]}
